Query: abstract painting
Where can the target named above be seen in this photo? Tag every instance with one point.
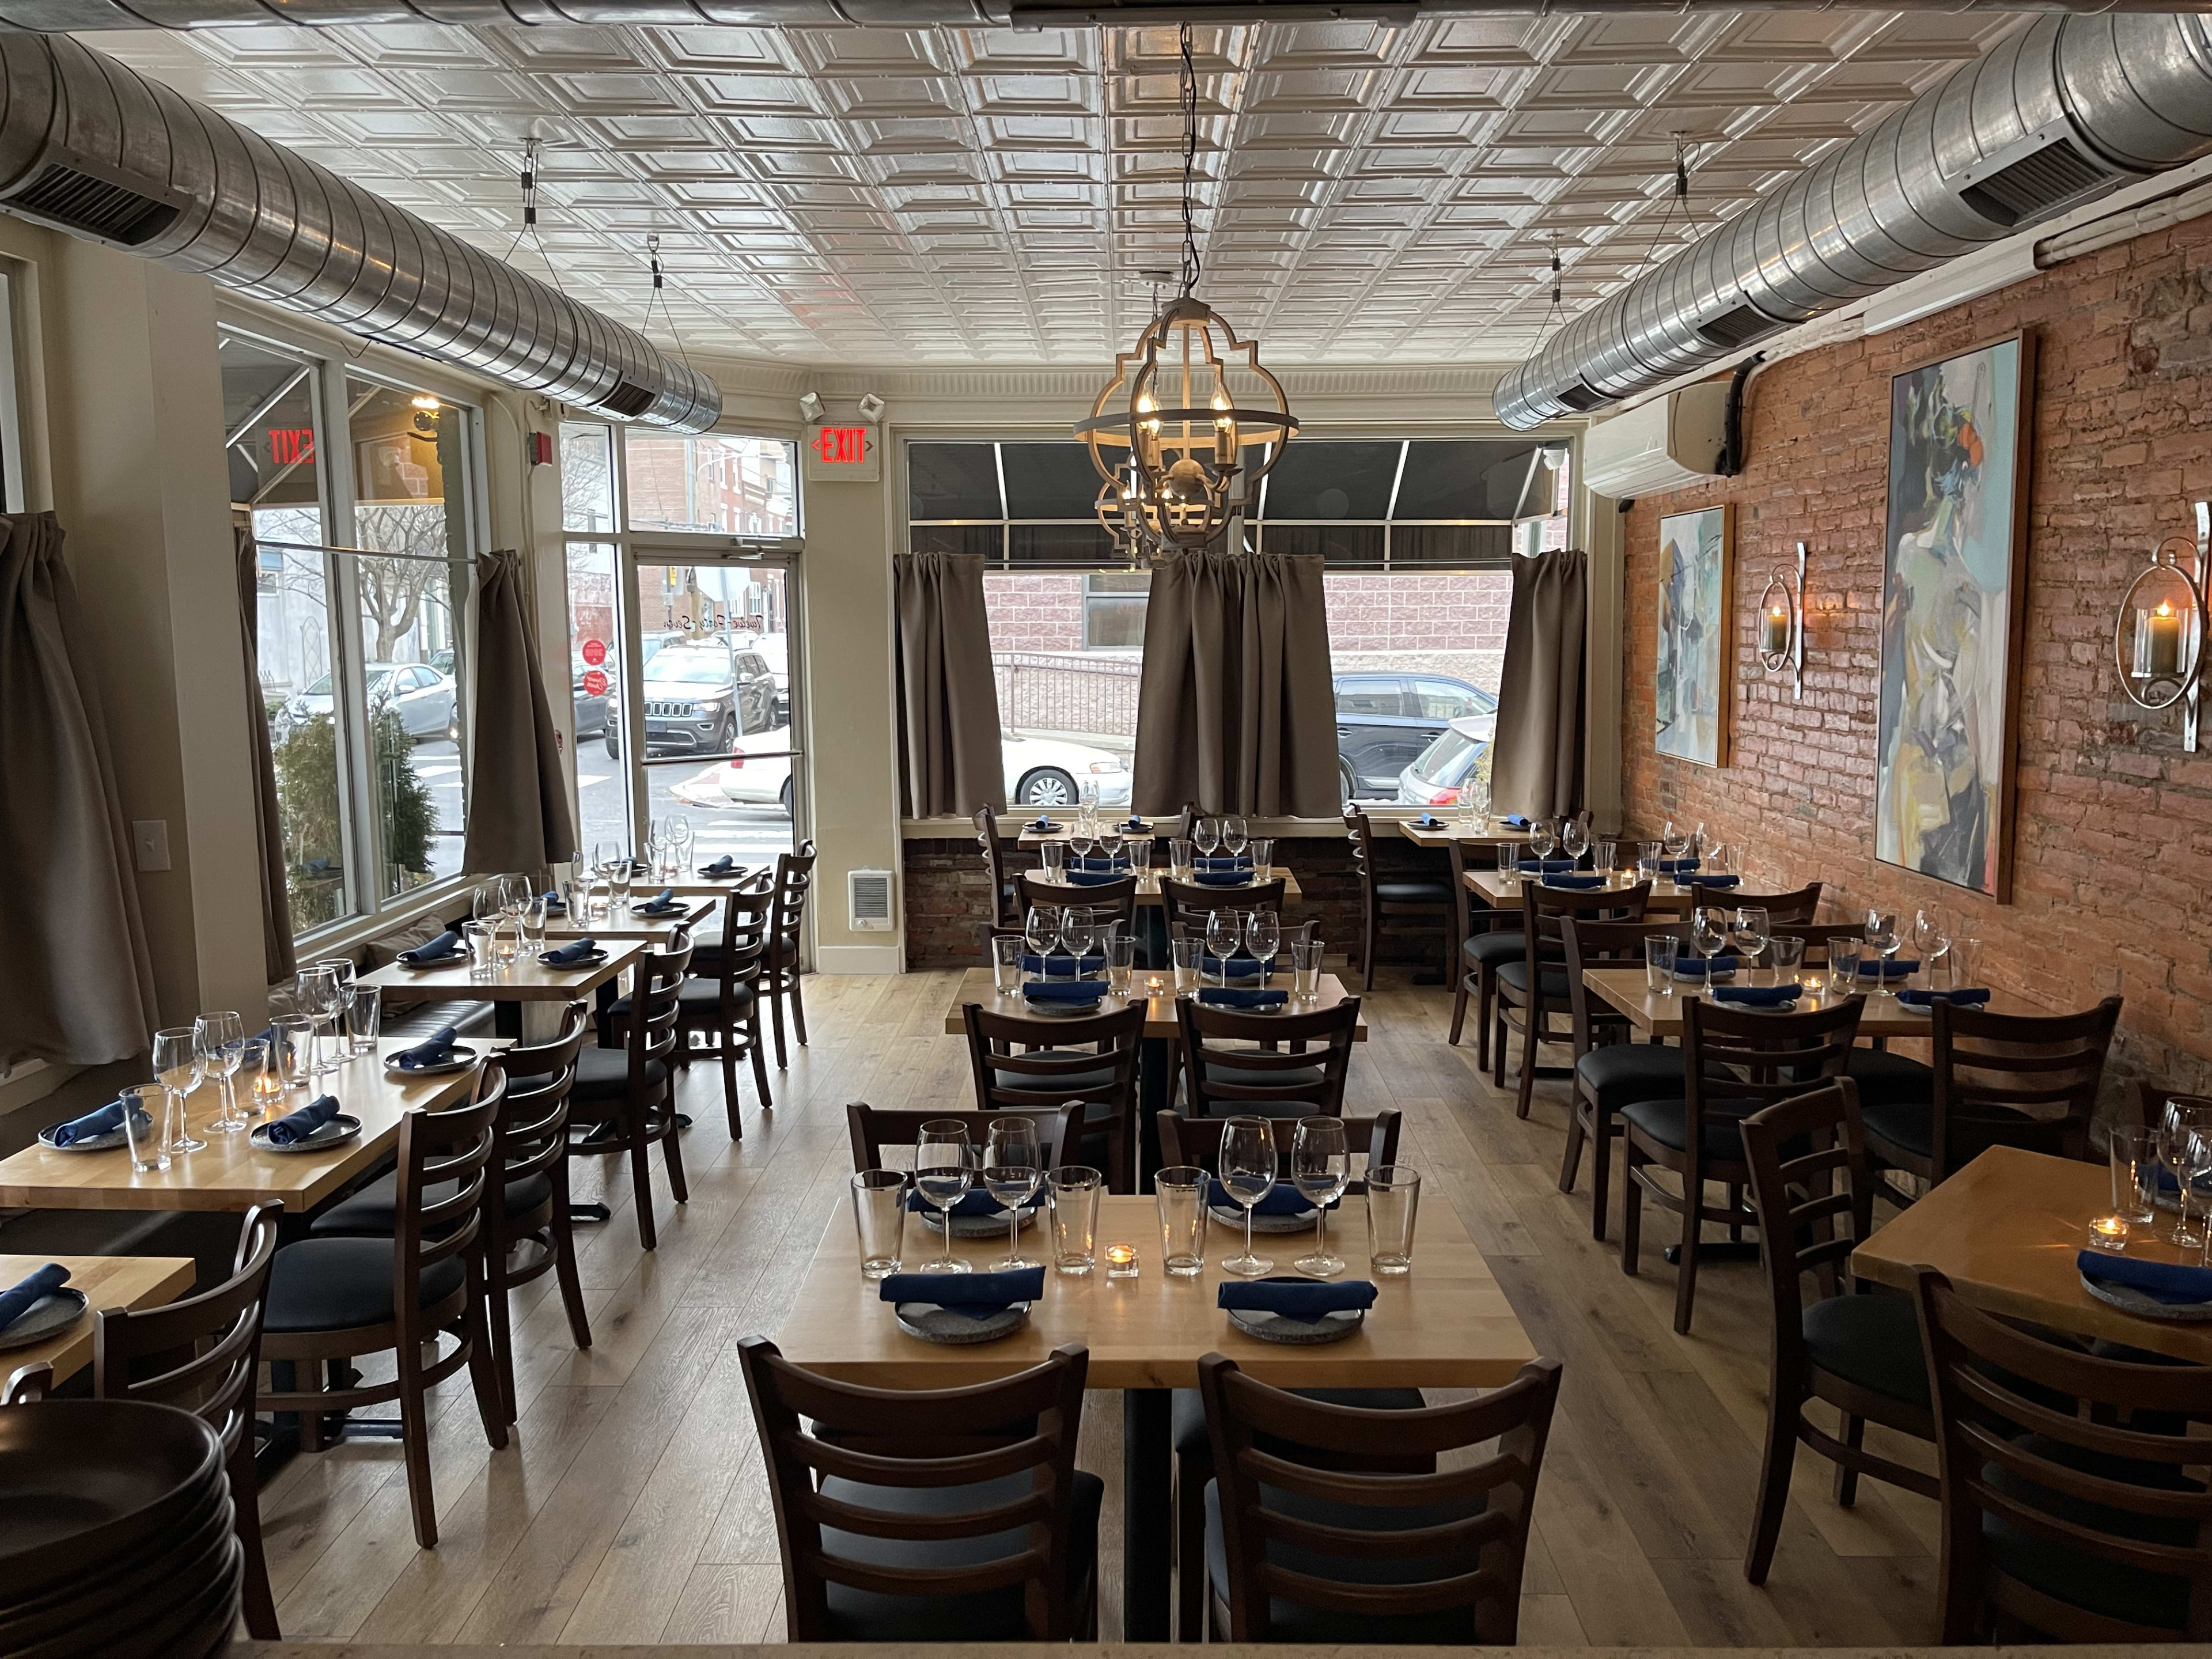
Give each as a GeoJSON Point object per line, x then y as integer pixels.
{"type": "Point", "coordinates": [1692, 712]}
{"type": "Point", "coordinates": [1952, 605]}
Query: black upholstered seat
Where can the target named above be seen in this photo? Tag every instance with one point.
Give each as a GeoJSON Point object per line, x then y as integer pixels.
{"type": "Point", "coordinates": [1494, 949]}
{"type": "Point", "coordinates": [338, 1283]}
{"type": "Point", "coordinates": [1189, 1414]}
{"type": "Point", "coordinates": [1621, 1073]}
{"type": "Point", "coordinates": [1884, 1078]}
{"type": "Point", "coordinates": [602, 1074]}
{"type": "Point", "coordinates": [1055, 1089]}
{"type": "Point", "coordinates": [2104, 1586]}
{"type": "Point", "coordinates": [1515, 976]}
{"type": "Point", "coordinates": [1237, 1077]}
{"type": "Point", "coordinates": [370, 1213]}
{"type": "Point", "coordinates": [1873, 1340]}
{"type": "Point", "coordinates": [1413, 890]}
{"type": "Point", "coordinates": [696, 997]}
{"type": "Point", "coordinates": [1667, 1122]}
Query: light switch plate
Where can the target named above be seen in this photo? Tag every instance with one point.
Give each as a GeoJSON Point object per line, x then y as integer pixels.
{"type": "Point", "coordinates": [151, 837]}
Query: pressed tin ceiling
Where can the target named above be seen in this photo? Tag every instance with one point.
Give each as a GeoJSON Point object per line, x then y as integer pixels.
{"type": "Point", "coordinates": [1370, 193]}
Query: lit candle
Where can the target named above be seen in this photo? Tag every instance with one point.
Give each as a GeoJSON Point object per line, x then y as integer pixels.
{"type": "Point", "coordinates": [1154, 985]}
{"type": "Point", "coordinates": [1121, 1262]}
{"type": "Point", "coordinates": [1775, 639]}
{"type": "Point", "coordinates": [2161, 656]}
{"type": "Point", "coordinates": [2108, 1232]}
{"type": "Point", "coordinates": [1224, 433]}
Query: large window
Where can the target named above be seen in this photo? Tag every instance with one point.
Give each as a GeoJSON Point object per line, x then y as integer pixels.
{"type": "Point", "coordinates": [365, 548]}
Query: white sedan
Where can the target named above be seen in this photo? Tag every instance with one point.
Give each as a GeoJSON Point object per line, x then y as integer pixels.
{"type": "Point", "coordinates": [1039, 772]}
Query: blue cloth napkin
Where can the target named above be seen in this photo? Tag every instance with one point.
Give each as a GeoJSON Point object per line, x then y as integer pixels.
{"type": "Point", "coordinates": [978, 1295]}
{"type": "Point", "coordinates": [1063, 967]}
{"type": "Point", "coordinates": [1241, 996]}
{"type": "Point", "coordinates": [1568, 878]}
{"type": "Point", "coordinates": [1427, 821]}
{"type": "Point", "coordinates": [1514, 820]}
{"type": "Point", "coordinates": [1073, 992]}
{"type": "Point", "coordinates": [1042, 826]}
{"type": "Point", "coordinates": [1132, 826]}
{"type": "Point", "coordinates": [20, 1297]}
{"type": "Point", "coordinates": [1966, 996]}
{"type": "Point", "coordinates": [1716, 881]}
{"type": "Point", "coordinates": [1282, 1199]}
{"type": "Point", "coordinates": [1678, 866]}
{"type": "Point", "coordinates": [1223, 861]}
{"type": "Point", "coordinates": [661, 904]}
{"type": "Point", "coordinates": [976, 1202]}
{"type": "Point", "coordinates": [435, 1050]}
{"type": "Point", "coordinates": [1702, 967]}
{"type": "Point", "coordinates": [291, 1130]}
{"type": "Point", "coordinates": [574, 951]}
{"type": "Point", "coordinates": [721, 867]}
{"type": "Point", "coordinates": [1099, 861]}
{"type": "Point", "coordinates": [1757, 996]}
{"type": "Point", "coordinates": [104, 1122]}
{"type": "Point", "coordinates": [443, 948]}
{"type": "Point", "coordinates": [2167, 1282]}
{"type": "Point", "coordinates": [1296, 1299]}
{"type": "Point", "coordinates": [1544, 866]}
{"type": "Point", "coordinates": [1238, 967]}
{"type": "Point", "coordinates": [1898, 967]}
{"type": "Point", "coordinates": [1096, 878]}
{"type": "Point", "coordinates": [553, 905]}
{"type": "Point", "coordinates": [1222, 877]}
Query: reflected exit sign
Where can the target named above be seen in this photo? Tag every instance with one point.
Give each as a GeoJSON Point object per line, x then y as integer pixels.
{"type": "Point", "coordinates": [852, 454]}
{"type": "Point", "coordinates": [291, 446]}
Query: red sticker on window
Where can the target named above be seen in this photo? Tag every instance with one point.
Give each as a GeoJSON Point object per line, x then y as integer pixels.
{"type": "Point", "coordinates": [595, 683]}
{"type": "Point", "coordinates": [594, 652]}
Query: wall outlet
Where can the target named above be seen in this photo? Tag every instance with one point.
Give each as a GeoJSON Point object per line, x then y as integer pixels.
{"type": "Point", "coordinates": [151, 837]}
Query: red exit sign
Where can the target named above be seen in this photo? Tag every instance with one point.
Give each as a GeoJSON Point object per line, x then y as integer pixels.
{"type": "Point", "coordinates": [842, 445]}
{"type": "Point", "coordinates": [291, 446]}
{"type": "Point", "coordinates": [844, 455]}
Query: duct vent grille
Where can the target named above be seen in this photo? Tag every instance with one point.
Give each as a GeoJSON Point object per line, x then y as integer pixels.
{"type": "Point", "coordinates": [2037, 185]}
{"type": "Point", "coordinates": [1736, 328]}
{"type": "Point", "coordinates": [627, 401]}
{"type": "Point", "coordinates": [77, 201]}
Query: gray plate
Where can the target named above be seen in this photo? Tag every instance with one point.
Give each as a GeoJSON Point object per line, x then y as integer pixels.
{"type": "Point", "coordinates": [464, 1058]}
{"type": "Point", "coordinates": [51, 1315]}
{"type": "Point", "coordinates": [1067, 1010]}
{"type": "Point", "coordinates": [594, 960]}
{"type": "Point", "coordinates": [934, 1324]}
{"type": "Point", "coordinates": [339, 1130]}
{"type": "Point", "coordinates": [1306, 1333]}
{"type": "Point", "coordinates": [2128, 1299]}
{"type": "Point", "coordinates": [1282, 1008]}
{"type": "Point", "coordinates": [1232, 1218]}
{"type": "Point", "coordinates": [974, 1226]}
{"type": "Point", "coordinates": [106, 1143]}
{"type": "Point", "coordinates": [459, 959]}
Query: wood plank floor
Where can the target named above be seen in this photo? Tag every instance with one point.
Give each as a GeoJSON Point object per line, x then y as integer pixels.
{"type": "Point", "coordinates": [630, 1507]}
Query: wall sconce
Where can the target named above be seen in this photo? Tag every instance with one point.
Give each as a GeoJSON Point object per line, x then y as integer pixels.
{"type": "Point", "coordinates": [1781, 626]}
{"type": "Point", "coordinates": [2158, 638]}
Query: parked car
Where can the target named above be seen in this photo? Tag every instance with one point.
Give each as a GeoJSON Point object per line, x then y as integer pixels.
{"type": "Point", "coordinates": [426, 701]}
{"type": "Point", "coordinates": [591, 707]}
{"type": "Point", "coordinates": [775, 649]}
{"type": "Point", "coordinates": [699, 699]}
{"type": "Point", "coordinates": [1445, 766]}
{"type": "Point", "coordinates": [1039, 772]}
{"type": "Point", "coordinates": [1383, 722]}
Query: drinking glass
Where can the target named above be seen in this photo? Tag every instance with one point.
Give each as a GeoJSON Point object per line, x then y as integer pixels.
{"type": "Point", "coordinates": [1321, 1168]}
{"type": "Point", "coordinates": [1394, 1197]}
{"type": "Point", "coordinates": [341, 969]}
{"type": "Point", "coordinates": [1086, 798]}
{"type": "Point", "coordinates": [1121, 962]}
{"type": "Point", "coordinates": [1179, 858]}
{"type": "Point", "coordinates": [1305, 968]}
{"type": "Point", "coordinates": [1186, 951]}
{"type": "Point", "coordinates": [1138, 849]}
{"type": "Point", "coordinates": [683, 837]}
{"type": "Point", "coordinates": [1072, 1196]}
{"type": "Point", "coordinates": [1965, 959]}
{"type": "Point", "coordinates": [219, 1041]}
{"type": "Point", "coordinates": [620, 874]}
{"type": "Point", "coordinates": [1206, 835]}
{"type": "Point", "coordinates": [879, 1216]}
{"type": "Point", "coordinates": [1179, 1193]}
{"type": "Point", "coordinates": [177, 1069]}
{"type": "Point", "coordinates": [2134, 1174]}
{"type": "Point", "coordinates": [1262, 848]}
{"type": "Point", "coordinates": [1223, 928]}
{"type": "Point", "coordinates": [1715, 860]}
{"type": "Point", "coordinates": [1881, 937]}
{"type": "Point", "coordinates": [1053, 856]}
{"type": "Point", "coordinates": [1247, 1175]}
{"type": "Point", "coordinates": [263, 1068]}
{"type": "Point", "coordinates": [483, 941]}
{"type": "Point", "coordinates": [1788, 955]}
{"type": "Point", "coordinates": [1079, 933]}
{"type": "Point", "coordinates": [1931, 937]}
{"type": "Point", "coordinates": [944, 1170]}
{"type": "Point", "coordinates": [1709, 933]}
{"type": "Point", "coordinates": [1262, 935]}
{"type": "Point", "coordinates": [1543, 838]}
{"type": "Point", "coordinates": [146, 1126]}
{"type": "Point", "coordinates": [1234, 835]}
{"type": "Point", "coordinates": [1011, 1171]}
{"type": "Point", "coordinates": [321, 991]}
{"type": "Point", "coordinates": [1040, 931]}
{"type": "Point", "coordinates": [653, 851]}
{"type": "Point", "coordinates": [1574, 838]}
{"type": "Point", "coordinates": [2195, 1171]}
{"type": "Point", "coordinates": [1674, 839]}
{"type": "Point", "coordinates": [1081, 842]}
{"type": "Point", "coordinates": [1006, 963]}
{"type": "Point", "coordinates": [529, 925]}
{"type": "Point", "coordinates": [2178, 1127]}
{"type": "Point", "coordinates": [1647, 861]}
{"type": "Point", "coordinates": [484, 902]}
{"type": "Point", "coordinates": [1659, 952]}
{"type": "Point", "coordinates": [296, 1049]}
{"type": "Point", "coordinates": [1844, 956]}
{"type": "Point", "coordinates": [1749, 930]}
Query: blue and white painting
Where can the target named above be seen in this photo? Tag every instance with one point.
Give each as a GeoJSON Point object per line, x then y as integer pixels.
{"type": "Point", "coordinates": [1693, 625]}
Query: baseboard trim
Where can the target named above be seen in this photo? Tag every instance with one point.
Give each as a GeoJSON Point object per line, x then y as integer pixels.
{"type": "Point", "coordinates": [859, 959]}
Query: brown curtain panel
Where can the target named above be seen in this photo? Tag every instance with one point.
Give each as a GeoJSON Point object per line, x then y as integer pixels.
{"type": "Point", "coordinates": [80, 982]}
{"type": "Point", "coordinates": [1237, 710]}
{"type": "Point", "coordinates": [1537, 767]}
{"type": "Point", "coordinates": [275, 898]}
{"type": "Point", "coordinates": [519, 814]}
{"type": "Point", "coordinates": [950, 760]}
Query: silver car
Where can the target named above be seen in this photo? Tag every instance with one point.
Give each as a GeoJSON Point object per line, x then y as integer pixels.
{"type": "Point", "coordinates": [426, 701]}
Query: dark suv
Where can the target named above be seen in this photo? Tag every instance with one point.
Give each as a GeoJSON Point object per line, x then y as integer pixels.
{"type": "Point", "coordinates": [699, 699]}
{"type": "Point", "coordinates": [1383, 722]}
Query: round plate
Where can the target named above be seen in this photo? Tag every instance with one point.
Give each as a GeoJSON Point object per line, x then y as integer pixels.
{"type": "Point", "coordinates": [464, 1057]}
{"type": "Point", "coordinates": [336, 1133]}
{"type": "Point", "coordinates": [51, 1315]}
{"type": "Point", "coordinates": [591, 961]}
{"type": "Point", "coordinates": [1230, 1216]}
{"type": "Point", "coordinates": [2128, 1299]}
{"type": "Point", "coordinates": [115, 1137]}
{"type": "Point", "coordinates": [1282, 1008]}
{"type": "Point", "coordinates": [934, 1324]}
{"type": "Point", "coordinates": [974, 1226]}
{"type": "Point", "coordinates": [459, 958]}
{"type": "Point", "coordinates": [1305, 1333]}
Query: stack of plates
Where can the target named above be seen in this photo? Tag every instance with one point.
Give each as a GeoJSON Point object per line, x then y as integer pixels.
{"type": "Point", "coordinates": [116, 1539]}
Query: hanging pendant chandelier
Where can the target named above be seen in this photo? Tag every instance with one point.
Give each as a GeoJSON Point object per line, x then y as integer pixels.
{"type": "Point", "coordinates": [1191, 421]}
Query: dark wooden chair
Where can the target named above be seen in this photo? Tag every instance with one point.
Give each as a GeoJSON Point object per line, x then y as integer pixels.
{"type": "Point", "coordinates": [1612, 1069]}
{"type": "Point", "coordinates": [779, 968]}
{"type": "Point", "coordinates": [874, 1130]}
{"type": "Point", "coordinates": [1006, 909]}
{"type": "Point", "coordinates": [1107, 901]}
{"type": "Point", "coordinates": [1857, 1350]}
{"type": "Point", "coordinates": [1091, 1060]}
{"type": "Point", "coordinates": [2025, 1080]}
{"type": "Point", "coordinates": [1265, 1065]}
{"type": "Point", "coordinates": [1185, 905]}
{"type": "Point", "coordinates": [332, 1299]}
{"type": "Point", "coordinates": [2063, 1523]}
{"type": "Point", "coordinates": [1533, 992]}
{"type": "Point", "coordinates": [1734, 1063]}
{"type": "Point", "coordinates": [28, 1384]}
{"type": "Point", "coordinates": [1488, 939]}
{"type": "Point", "coordinates": [722, 999]}
{"type": "Point", "coordinates": [202, 1355]}
{"type": "Point", "coordinates": [1394, 904]}
{"type": "Point", "coordinates": [1359, 1552]}
{"type": "Point", "coordinates": [908, 1514]}
{"type": "Point", "coordinates": [624, 1099]}
{"type": "Point", "coordinates": [1195, 1142]}
{"type": "Point", "coordinates": [1791, 910]}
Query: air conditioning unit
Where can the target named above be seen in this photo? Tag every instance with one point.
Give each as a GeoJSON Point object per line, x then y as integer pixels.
{"type": "Point", "coordinates": [1666, 444]}
{"type": "Point", "coordinates": [868, 900]}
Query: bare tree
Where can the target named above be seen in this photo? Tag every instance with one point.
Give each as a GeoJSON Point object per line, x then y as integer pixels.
{"type": "Point", "coordinates": [394, 591]}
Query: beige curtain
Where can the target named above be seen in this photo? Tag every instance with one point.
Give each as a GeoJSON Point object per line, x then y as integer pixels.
{"type": "Point", "coordinates": [1537, 767]}
{"type": "Point", "coordinates": [80, 982]}
{"type": "Point", "coordinates": [1236, 710]}
{"type": "Point", "coordinates": [518, 815]}
{"type": "Point", "coordinates": [275, 898]}
{"type": "Point", "coordinates": [950, 759]}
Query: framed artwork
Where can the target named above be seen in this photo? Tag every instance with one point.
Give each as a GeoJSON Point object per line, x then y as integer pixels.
{"type": "Point", "coordinates": [1692, 702]}
{"type": "Point", "coordinates": [1952, 605]}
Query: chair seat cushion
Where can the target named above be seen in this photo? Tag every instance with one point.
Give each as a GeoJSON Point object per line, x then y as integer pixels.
{"type": "Point", "coordinates": [2057, 1569]}
{"type": "Point", "coordinates": [371, 1212]}
{"type": "Point", "coordinates": [604, 1074]}
{"type": "Point", "coordinates": [1873, 1340]}
{"type": "Point", "coordinates": [1667, 1122]}
{"type": "Point", "coordinates": [338, 1283]}
{"type": "Point", "coordinates": [1241, 1108]}
{"type": "Point", "coordinates": [1909, 1128]}
{"type": "Point", "coordinates": [1189, 1415]}
{"type": "Point", "coordinates": [1305, 1077]}
{"type": "Point", "coordinates": [1405, 889]}
{"type": "Point", "coordinates": [1060, 1088]}
{"type": "Point", "coordinates": [697, 998]}
{"type": "Point", "coordinates": [1514, 975]}
{"type": "Point", "coordinates": [1884, 1078]}
{"type": "Point", "coordinates": [1494, 950]}
{"type": "Point", "coordinates": [857, 1615]}
{"type": "Point", "coordinates": [1622, 1073]}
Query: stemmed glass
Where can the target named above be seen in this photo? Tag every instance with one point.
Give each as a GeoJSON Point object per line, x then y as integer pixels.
{"type": "Point", "coordinates": [1749, 930]}
{"type": "Point", "coordinates": [1931, 937]}
{"type": "Point", "coordinates": [1236, 836]}
{"type": "Point", "coordinates": [1675, 839]}
{"type": "Point", "coordinates": [1206, 835]}
{"type": "Point", "coordinates": [1881, 936]}
{"type": "Point", "coordinates": [177, 1069]}
{"type": "Point", "coordinates": [944, 1170]}
{"type": "Point", "coordinates": [1011, 1171]}
{"type": "Point", "coordinates": [1574, 839]}
{"type": "Point", "coordinates": [340, 970]}
{"type": "Point", "coordinates": [1248, 1174]}
{"type": "Point", "coordinates": [1041, 932]}
{"type": "Point", "coordinates": [1543, 838]}
{"type": "Point", "coordinates": [1079, 933]}
{"type": "Point", "coordinates": [316, 990]}
{"type": "Point", "coordinates": [1321, 1168]}
{"type": "Point", "coordinates": [2185, 1146]}
{"type": "Point", "coordinates": [1222, 930]}
{"type": "Point", "coordinates": [1709, 931]}
{"type": "Point", "coordinates": [219, 1041]}
{"type": "Point", "coordinates": [1263, 933]}
{"type": "Point", "coordinates": [1081, 842]}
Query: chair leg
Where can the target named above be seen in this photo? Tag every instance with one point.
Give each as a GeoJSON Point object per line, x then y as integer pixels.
{"type": "Point", "coordinates": [1530, 1026]}
{"type": "Point", "coordinates": [260, 1606]}
{"type": "Point", "coordinates": [1367, 950]}
{"type": "Point", "coordinates": [414, 1441]}
{"type": "Point", "coordinates": [797, 1008]}
{"type": "Point", "coordinates": [1570, 1159]}
{"type": "Point", "coordinates": [1632, 1209]}
{"type": "Point", "coordinates": [1192, 1472]}
{"type": "Point", "coordinates": [499, 1328]}
{"type": "Point", "coordinates": [1602, 1139]}
{"type": "Point", "coordinates": [1485, 1006]}
{"type": "Point", "coordinates": [728, 1044]}
{"type": "Point", "coordinates": [672, 1158]}
{"type": "Point", "coordinates": [641, 1181]}
{"type": "Point", "coordinates": [1852, 1433]}
{"type": "Point", "coordinates": [1502, 1029]}
{"type": "Point", "coordinates": [1685, 1279]}
{"type": "Point", "coordinates": [564, 1235]}
{"type": "Point", "coordinates": [484, 1367]}
{"type": "Point", "coordinates": [759, 1056]}
{"type": "Point", "coordinates": [775, 1020]}
{"type": "Point", "coordinates": [1459, 1010]}
{"type": "Point", "coordinates": [1782, 1407]}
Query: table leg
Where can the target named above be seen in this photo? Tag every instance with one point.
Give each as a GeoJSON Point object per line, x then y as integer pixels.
{"type": "Point", "coordinates": [1147, 1514]}
{"type": "Point", "coordinates": [506, 1019]}
{"type": "Point", "coordinates": [1156, 1081]}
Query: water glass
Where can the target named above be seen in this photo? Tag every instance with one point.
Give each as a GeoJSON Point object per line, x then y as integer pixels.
{"type": "Point", "coordinates": [295, 1049]}
{"type": "Point", "coordinates": [1659, 953]}
{"type": "Point", "coordinates": [879, 1216]}
{"type": "Point", "coordinates": [1181, 1194]}
{"type": "Point", "coordinates": [1787, 954]}
{"type": "Point", "coordinates": [146, 1126]}
{"type": "Point", "coordinates": [1179, 858]}
{"type": "Point", "coordinates": [1844, 956]}
{"type": "Point", "coordinates": [365, 1017]}
{"type": "Point", "coordinates": [618, 880]}
{"type": "Point", "coordinates": [1006, 963]}
{"type": "Point", "coordinates": [262, 1066]}
{"type": "Point", "coordinates": [1606, 855]}
{"type": "Point", "coordinates": [2134, 1174]}
{"type": "Point", "coordinates": [1394, 1195]}
{"type": "Point", "coordinates": [1140, 851]}
{"type": "Point", "coordinates": [1647, 861]}
{"type": "Point", "coordinates": [1186, 965]}
{"type": "Point", "coordinates": [1121, 960]}
{"type": "Point", "coordinates": [1305, 968]}
{"type": "Point", "coordinates": [531, 921]}
{"type": "Point", "coordinates": [483, 940]}
{"type": "Point", "coordinates": [1053, 855]}
{"type": "Point", "coordinates": [1262, 848]}
{"type": "Point", "coordinates": [1072, 1193]}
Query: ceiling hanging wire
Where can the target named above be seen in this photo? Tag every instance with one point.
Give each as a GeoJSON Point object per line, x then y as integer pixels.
{"type": "Point", "coordinates": [529, 225]}
{"type": "Point", "coordinates": [660, 292]}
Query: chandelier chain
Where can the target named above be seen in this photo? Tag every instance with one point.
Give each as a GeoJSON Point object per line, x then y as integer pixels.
{"type": "Point", "coordinates": [1192, 266]}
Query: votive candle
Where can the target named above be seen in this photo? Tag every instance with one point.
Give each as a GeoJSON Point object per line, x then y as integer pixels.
{"type": "Point", "coordinates": [2108, 1232]}
{"type": "Point", "coordinates": [1121, 1262]}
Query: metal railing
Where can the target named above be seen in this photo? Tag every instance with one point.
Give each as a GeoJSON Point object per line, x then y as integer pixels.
{"type": "Point", "coordinates": [1072, 692]}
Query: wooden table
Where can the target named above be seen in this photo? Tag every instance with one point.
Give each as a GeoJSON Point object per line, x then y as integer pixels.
{"type": "Point", "coordinates": [1148, 887]}
{"type": "Point", "coordinates": [1501, 891]}
{"type": "Point", "coordinates": [230, 1173]}
{"type": "Point", "coordinates": [1491, 832]}
{"type": "Point", "coordinates": [699, 886]}
{"type": "Point", "coordinates": [979, 985]}
{"type": "Point", "coordinates": [1063, 827]}
{"type": "Point", "coordinates": [528, 984]}
{"type": "Point", "coordinates": [108, 1281]}
{"type": "Point", "coordinates": [1447, 1324]}
{"type": "Point", "coordinates": [1628, 991]}
{"type": "Point", "coordinates": [2006, 1229]}
{"type": "Point", "coordinates": [656, 931]}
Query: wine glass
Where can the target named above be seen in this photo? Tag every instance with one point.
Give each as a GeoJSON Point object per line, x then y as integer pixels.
{"type": "Point", "coordinates": [1543, 838]}
{"type": "Point", "coordinates": [486, 903]}
{"type": "Point", "coordinates": [1321, 1168]}
{"type": "Point", "coordinates": [1111, 843]}
{"type": "Point", "coordinates": [1675, 839]}
{"type": "Point", "coordinates": [1247, 1175]}
{"type": "Point", "coordinates": [1236, 836]}
{"type": "Point", "coordinates": [219, 1041]}
{"type": "Point", "coordinates": [1079, 933]}
{"type": "Point", "coordinates": [177, 1069]}
{"type": "Point", "coordinates": [1749, 930]}
{"type": "Point", "coordinates": [1223, 928]}
{"type": "Point", "coordinates": [1206, 835]}
{"type": "Point", "coordinates": [1931, 937]}
{"type": "Point", "coordinates": [1011, 1171]}
{"type": "Point", "coordinates": [1709, 931]}
{"type": "Point", "coordinates": [1881, 935]}
{"type": "Point", "coordinates": [341, 969]}
{"type": "Point", "coordinates": [316, 991]}
{"type": "Point", "coordinates": [1263, 934]}
{"type": "Point", "coordinates": [1041, 932]}
{"type": "Point", "coordinates": [1079, 843]}
{"type": "Point", "coordinates": [1574, 838]}
{"type": "Point", "coordinates": [944, 1170]}
{"type": "Point", "coordinates": [2183, 1135]}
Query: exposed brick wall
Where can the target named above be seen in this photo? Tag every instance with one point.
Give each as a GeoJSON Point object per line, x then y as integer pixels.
{"type": "Point", "coordinates": [2107, 895]}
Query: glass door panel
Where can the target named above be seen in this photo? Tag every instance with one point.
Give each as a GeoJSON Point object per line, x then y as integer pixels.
{"type": "Point", "coordinates": [603, 811]}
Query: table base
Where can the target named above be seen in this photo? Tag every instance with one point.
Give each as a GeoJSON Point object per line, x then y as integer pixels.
{"type": "Point", "coordinates": [1147, 1512]}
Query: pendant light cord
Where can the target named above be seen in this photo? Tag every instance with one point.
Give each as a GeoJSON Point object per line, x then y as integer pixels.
{"type": "Point", "coordinates": [1192, 266]}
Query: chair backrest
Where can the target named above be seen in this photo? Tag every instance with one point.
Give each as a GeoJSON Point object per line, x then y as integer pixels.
{"type": "Point", "coordinates": [1736, 1061]}
{"type": "Point", "coordinates": [1214, 1039]}
{"type": "Point", "coordinates": [995, 862]}
{"type": "Point", "coordinates": [1543, 909]}
{"type": "Point", "coordinates": [1602, 945]}
{"type": "Point", "coordinates": [1791, 910]}
{"type": "Point", "coordinates": [1462, 898]}
{"type": "Point", "coordinates": [1195, 1142]}
{"type": "Point", "coordinates": [2020, 1079]}
{"type": "Point", "coordinates": [655, 1003]}
{"type": "Point", "coordinates": [794, 879]}
{"type": "Point", "coordinates": [2065, 1484]}
{"type": "Point", "coordinates": [1188, 904]}
{"type": "Point", "coordinates": [1455, 1538]}
{"type": "Point", "coordinates": [428, 1226]}
{"type": "Point", "coordinates": [1362, 836]}
{"type": "Point", "coordinates": [1817, 934]}
{"type": "Point", "coordinates": [1101, 1043]}
{"type": "Point", "coordinates": [1118, 898]}
{"type": "Point", "coordinates": [747, 919]}
{"type": "Point", "coordinates": [813, 1430]}
{"type": "Point", "coordinates": [1813, 1190]}
{"type": "Point", "coordinates": [530, 1132]}
{"type": "Point", "coordinates": [199, 1354]}
{"type": "Point", "coordinates": [874, 1129]}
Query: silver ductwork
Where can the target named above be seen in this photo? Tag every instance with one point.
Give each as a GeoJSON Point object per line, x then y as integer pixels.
{"type": "Point", "coordinates": [89, 146]}
{"type": "Point", "coordinates": [2054, 117]}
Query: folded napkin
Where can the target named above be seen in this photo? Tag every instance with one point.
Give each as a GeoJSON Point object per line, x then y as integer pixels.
{"type": "Point", "coordinates": [1719, 881]}
{"type": "Point", "coordinates": [1706, 967]}
{"type": "Point", "coordinates": [1897, 968]}
{"type": "Point", "coordinates": [574, 951]}
{"type": "Point", "coordinates": [553, 904]}
{"type": "Point", "coordinates": [1757, 996]}
{"type": "Point", "coordinates": [661, 904]}
{"type": "Point", "coordinates": [1241, 996]}
{"type": "Point", "coordinates": [1679, 866]}
{"type": "Point", "coordinates": [1282, 1199]}
{"type": "Point", "coordinates": [1133, 826]}
{"type": "Point", "coordinates": [1514, 820]}
{"type": "Point", "coordinates": [2167, 1282]}
{"type": "Point", "coordinates": [1568, 878]}
{"type": "Point", "coordinates": [1223, 861]}
{"type": "Point", "coordinates": [976, 1202]}
{"type": "Point", "coordinates": [1296, 1299]}
{"type": "Point", "coordinates": [26, 1292]}
{"type": "Point", "coordinates": [1063, 967]}
{"type": "Point", "coordinates": [1099, 861]}
{"type": "Point", "coordinates": [435, 1050]}
{"type": "Point", "coordinates": [1042, 826]}
{"type": "Point", "coordinates": [1221, 877]}
{"type": "Point", "coordinates": [721, 867]}
{"type": "Point", "coordinates": [1096, 878]}
{"type": "Point", "coordinates": [1427, 821]}
{"type": "Point", "coordinates": [291, 1130]}
{"type": "Point", "coordinates": [1966, 996]}
{"type": "Point", "coordinates": [1544, 866]}
{"type": "Point", "coordinates": [443, 948]}
{"type": "Point", "coordinates": [1073, 992]}
{"type": "Point", "coordinates": [978, 1295]}
{"type": "Point", "coordinates": [93, 1125]}
{"type": "Point", "coordinates": [1237, 967]}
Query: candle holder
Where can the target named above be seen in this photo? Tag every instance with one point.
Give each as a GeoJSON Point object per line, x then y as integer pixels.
{"type": "Point", "coordinates": [1781, 626]}
{"type": "Point", "coordinates": [2158, 638]}
{"type": "Point", "coordinates": [2108, 1232]}
{"type": "Point", "coordinates": [1121, 1262]}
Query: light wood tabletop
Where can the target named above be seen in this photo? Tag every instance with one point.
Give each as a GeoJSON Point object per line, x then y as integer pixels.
{"type": "Point", "coordinates": [711, 887]}
{"type": "Point", "coordinates": [978, 985]}
{"type": "Point", "coordinates": [2006, 1231]}
{"type": "Point", "coordinates": [1501, 891]}
{"type": "Point", "coordinates": [527, 981]}
{"type": "Point", "coordinates": [230, 1173]}
{"type": "Point", "coordinates": [1446, 1324]}
{"type": "Point", "coordinates": [1491, 832]}
{"type": "Point", "coordinates": [1148, 886]}
{"type": "Point", "coordinates": [1063, 827]}
{"type": "Point", "coordinates": [107, 1281]}
{"type": "Point", "coordinates": [1654, 1014]}
{"type": "Point", "coordinates": [689, 912]}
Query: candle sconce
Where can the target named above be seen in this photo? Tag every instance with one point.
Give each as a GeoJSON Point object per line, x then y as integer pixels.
{"type": "Point", "coordinates": [2158, 638]}
{"type": "Point", "coordinates": [1781, 626]}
